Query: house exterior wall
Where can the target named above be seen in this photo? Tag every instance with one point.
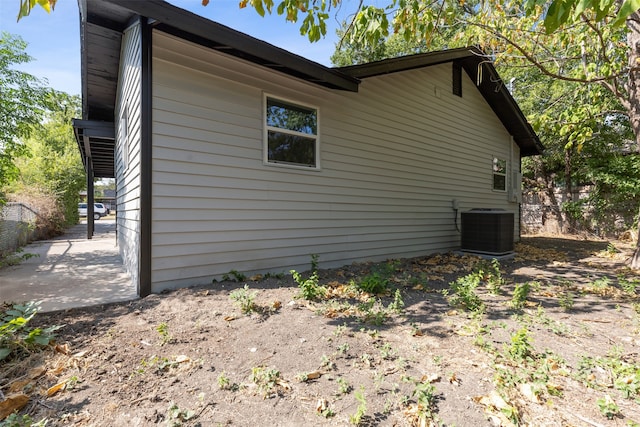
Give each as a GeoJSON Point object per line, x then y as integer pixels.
{"type": "Point", "coordinates": [393, 157]}
{"type": "Point", "coordinates": [127, 152]}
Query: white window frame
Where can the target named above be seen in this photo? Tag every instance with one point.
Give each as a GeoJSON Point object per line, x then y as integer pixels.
{"type": "Point", "coordinates": [123, 138]}
{"type": "Point", "coordinates": [267, 128]}
{"type": "Point", "coordinates": [494, 160]}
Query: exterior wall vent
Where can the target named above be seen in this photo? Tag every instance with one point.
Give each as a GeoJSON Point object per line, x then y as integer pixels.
{"type": "Point", "coordinates": [487, 231]}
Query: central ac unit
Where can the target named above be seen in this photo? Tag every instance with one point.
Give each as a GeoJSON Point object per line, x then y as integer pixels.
{"type": "Point", "coordinates": [487, 231]}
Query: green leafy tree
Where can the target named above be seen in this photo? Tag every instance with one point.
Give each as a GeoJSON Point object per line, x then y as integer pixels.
{"type": "Point", "coordinates": [22, 99]}
{"type": "Point", "coordinates": [54, 164]}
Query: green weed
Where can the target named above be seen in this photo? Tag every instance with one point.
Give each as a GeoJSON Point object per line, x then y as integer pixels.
{"type": "Point", "coordinates": [630, 286]}
{"type": "Point", "coordinates": [309, 288]}
{"type": "Point", "coordinates": [397, 304]}
{"type": "Point", "coordinates": [521, 348]}
{"type": "Point", "coordinates": [565, 299]}
{"type": "Point", "coordinates": [374, 283]}
{"type": "Point", "coordinates": [16, 338]}
{"type": "Point", "coordinates": [357, 418]}
{"type": "Point", "coordinates": [464, 289]}
{"type": "Point", "coordinates": [163, 330]}
{"type": "Point", "coordinates": [265, 379]}
{"type": "Point", "coordinates": [16, 420]}
{"type": "Point", "coordinates": [16, 258]}
{"type": "Point", "coordinates": [225, 383]}
{"type": "Point", "coordinates": [244, 299]}
{"type": "Point", "coordinates": [176, 416]}
{"type": "Point", "coordinates": [489, 273]}
{"type": "Point", "coordinates": [520, 295]}
{"type": "Point", "coordinates": [343, 386]}
{"type": "Point", "coordinates": [234, 276]}
{"type": "Point", "coordinates": [608, 407]}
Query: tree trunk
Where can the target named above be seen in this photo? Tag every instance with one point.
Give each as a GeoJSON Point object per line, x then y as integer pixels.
{"type": "Point", "coordinates": [633, 40]}
{"type": "Point", "coordinates": [570, 220]}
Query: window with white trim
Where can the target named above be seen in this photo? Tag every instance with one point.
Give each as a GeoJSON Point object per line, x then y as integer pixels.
{"type": "Point", "coordinates": [123, 138]}
{"type": "Point", "coordinates": [499, 174]}
{"type": "Point", "coordinates": [291, 134]}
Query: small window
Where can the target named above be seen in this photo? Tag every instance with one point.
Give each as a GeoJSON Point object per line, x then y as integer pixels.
{"type": "Point", "coordinates": [123, 138]}
{"type": "Point", "coordinates": [291, 134]}
{"type": "Point", "coordinates": [499, 174]}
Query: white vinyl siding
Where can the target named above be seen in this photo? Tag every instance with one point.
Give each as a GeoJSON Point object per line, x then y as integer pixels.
{"type": "Point", "coordinates": [393, 157]}
{"type": "Point", "coordinates": [127, 153]}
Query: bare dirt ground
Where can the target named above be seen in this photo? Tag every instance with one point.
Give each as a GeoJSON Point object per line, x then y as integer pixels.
{"type": "Point", "coordinates": [417, 354]}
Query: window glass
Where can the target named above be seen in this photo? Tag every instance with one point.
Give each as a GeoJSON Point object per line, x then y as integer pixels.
{"type": "Point", "coordinates": [499, 174]}
{"type": "Point", "coordinates": [286, 116]}
{"type": "Point", "coordinates": [292, 134]}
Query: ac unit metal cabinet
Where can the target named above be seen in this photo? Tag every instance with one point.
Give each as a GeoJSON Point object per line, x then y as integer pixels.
{"type": "Point", "coordinates": [487, 231]}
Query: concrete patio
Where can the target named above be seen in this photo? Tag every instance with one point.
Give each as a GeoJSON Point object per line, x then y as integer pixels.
{"type": "Point", "coordinates": [70, 271]}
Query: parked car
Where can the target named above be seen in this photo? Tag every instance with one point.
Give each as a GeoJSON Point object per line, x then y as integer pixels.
{"type": "Point", "coordinates": [98, 210]}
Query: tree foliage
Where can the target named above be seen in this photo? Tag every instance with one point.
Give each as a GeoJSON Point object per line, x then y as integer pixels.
{"type": "Point", "coordinates": [22, 102]}
{"type": "Point", "coordinates": [54, 164]}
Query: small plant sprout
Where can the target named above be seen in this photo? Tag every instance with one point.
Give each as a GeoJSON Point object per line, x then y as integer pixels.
{"type": "Point", "coordinates": [520, 295]}
{"type": "Point", "coordinates": [234, 276]}
{"type": "Point", "coordinates": [343, 386]}
{"type": "Point", "coordinates": [565, 299]}
{"type": "Point", "coordinates": [224, 382]}
{"type": "Point", "coordinates": [608, 407]}
{"type": "Point", "coordinates": [309, 288]}
{"type": "Point", "coordinates": [489, 273]}
{"type": "Point", "coordinates": [397, 304]}
{"type": "Point", "coordinates": [343, 348]}
{"type": "Point", "coordinates": [386, 352]}
{"type": "Point", "coordinates": [357, 418]}
{"type": "Point", "coordinates": [266, 379]}
{"type": "Point", "coordinates": [244, 299]}
{"type": "Point", "coordinates": [521, 348]}
{"type": "Point", "coordinates": [163, 330]}
{"type": "Point", "coordinates": [176, 416]}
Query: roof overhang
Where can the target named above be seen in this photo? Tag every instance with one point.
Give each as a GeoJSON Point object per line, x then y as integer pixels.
{"type": "Point", "coordinates": [480, 69]}
{"type": "Point", "coordinates": [96, 141]}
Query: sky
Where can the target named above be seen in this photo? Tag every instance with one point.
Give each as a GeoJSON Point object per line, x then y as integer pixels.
{"type": "Point", "coordinates": [54, 39]}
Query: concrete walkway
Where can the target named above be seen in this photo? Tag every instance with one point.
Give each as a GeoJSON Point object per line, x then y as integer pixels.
{"type": "Point", "coordinates": [70, 271]}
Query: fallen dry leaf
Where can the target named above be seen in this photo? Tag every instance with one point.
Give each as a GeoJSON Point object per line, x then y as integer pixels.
{"type": "Point", "coordinates": [285, 385]}
{"type": "Point", "coordinates": [36, 372]}
{"type": "Point", "coordinates": [64, 349]}
{"type": "Point", "coordinates": [13, 402]}
{"type": "Point", "coordinates": [276, 305]}
{"type": "Point", "coordinates": [182, 358]}
{"type": "Point", "coordinates": [431, 378]}
{"type": "Point", "coordinates": [18, 385]}
{"type": "Point", "coordinates": [322, 405]}
{"type": "Point", "coordinates": [56, 388]}
{"type": "Point", "coordinates": [229, 318]}
{"type": "Point", "coordinates": [314, 375]}
{"type": "Point", "coordinates": [529, 392]}
{"type": "Point", "coordinates": [493, 399]}
{"type": "Point", "coordinates": [453, 379]}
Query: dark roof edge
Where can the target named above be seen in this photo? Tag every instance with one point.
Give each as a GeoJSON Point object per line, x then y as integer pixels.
{"type": "Point", "coordinates": [491, 87]}
{"type": "Point", "coordinates": [257, 50]}
{"type": "Point", "coordinates": [409, 62]}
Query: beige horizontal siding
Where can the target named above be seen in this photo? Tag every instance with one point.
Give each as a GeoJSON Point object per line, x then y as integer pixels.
{"type": "Point", "coordinates": [128, 176]}
{"type": "Point", "coordinates": [393, 156]}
